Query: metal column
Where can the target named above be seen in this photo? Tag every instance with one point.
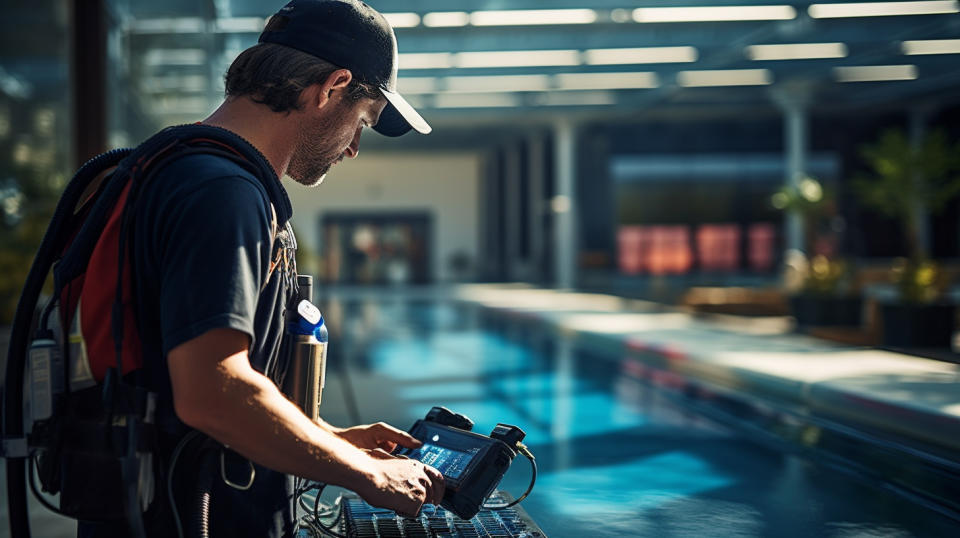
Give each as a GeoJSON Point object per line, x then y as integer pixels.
{"type": "Point", "coordinates": [919, 116]}
{"type": "Point", "coordinates": [564, 205]}
{"type": "Point", "coordinates": [489, 264]}
{"type": "Point", "coordinates": [796, 139]}
{"type": "Point", "coordinates": [512, 225]}
{"type": "Point", "coordinates": [535, 171]}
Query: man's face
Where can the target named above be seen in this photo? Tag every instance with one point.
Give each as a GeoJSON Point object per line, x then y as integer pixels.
{"type": "Point", "coordinates": [325, 138]}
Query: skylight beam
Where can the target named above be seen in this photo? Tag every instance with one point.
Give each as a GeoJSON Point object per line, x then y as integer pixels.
{"type": "Point", "coordinates": [725, 77]}
{"type": "Point", "coordinates": [875, 73]}
{"type": "Point", "coordinates": [714, 13]}
{"type": "Point", "coordinates": [882, 9]}
{"type": "Point", "coordinates": [797, 51]}
{"type": "Point", "coordinates": [523, 17]}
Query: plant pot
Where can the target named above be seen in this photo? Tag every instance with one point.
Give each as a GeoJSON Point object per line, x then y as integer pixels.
{"type": "Point", "coordinates": [826, 310]}
{"type": "Point", "coordinates": [918, 325]}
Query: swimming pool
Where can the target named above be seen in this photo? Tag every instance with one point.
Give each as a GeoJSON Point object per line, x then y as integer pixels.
{"type": "Point", "coordinates": [617, 456]}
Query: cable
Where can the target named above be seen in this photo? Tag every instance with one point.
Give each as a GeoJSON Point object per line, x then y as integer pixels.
{"type": "Point", "coordinates": [314, 517]}
{"type": "Point", "coordinates": [533, 480]}
{"type": "Point", "coordinates": [32, 470]}
{"type": "Point", "coordinates": [173, 464]}
{"type": "Point", "coordinates": [306, 486]}
{"type": "Point", "coordinates": [305, 523]}
{"type": "Point", "coordinates": [33, 487]}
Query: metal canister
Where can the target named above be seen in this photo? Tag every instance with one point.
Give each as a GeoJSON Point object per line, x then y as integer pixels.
{"type": "Point", "coordinates": [306, 369]}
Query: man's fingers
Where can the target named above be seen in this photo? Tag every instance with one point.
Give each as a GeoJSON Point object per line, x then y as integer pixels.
{"type": "Point", "coordinates": [437, 485]}
{"type": "Point", "coordinates": [389, 446]}
{"type": "Point", "coordinates": [394, 435]}
{"type": "Point", "coordinates": [420, 494]}
{"type": "Point", "coordinates": [381, 454]}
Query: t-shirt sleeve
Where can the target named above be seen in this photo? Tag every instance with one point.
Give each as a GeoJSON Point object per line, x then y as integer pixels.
{"type": "Point", "coordinates": [214, 245]}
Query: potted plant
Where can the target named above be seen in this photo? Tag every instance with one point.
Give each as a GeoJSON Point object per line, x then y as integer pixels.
{"type": "Point", "coordinates": [907, 181]}
{"type": "Point", "coordinates": [826, 298]}
{"type": "Point", "coordinates": [820, 286]}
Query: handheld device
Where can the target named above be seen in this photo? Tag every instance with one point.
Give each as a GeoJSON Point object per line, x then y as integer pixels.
{"type": "Point", "coordinates": [472, 464]}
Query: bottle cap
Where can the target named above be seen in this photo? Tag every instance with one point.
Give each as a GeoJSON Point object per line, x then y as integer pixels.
{"type": "Point", "coordinates": [309, 318]}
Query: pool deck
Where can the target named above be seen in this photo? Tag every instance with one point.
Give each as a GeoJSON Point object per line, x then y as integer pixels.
{"type": "Point", "coordinates": [890, 395]}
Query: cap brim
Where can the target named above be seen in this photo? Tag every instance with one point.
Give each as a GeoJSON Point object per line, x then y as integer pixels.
{"type": "Point", "coordinates": [398, 117]}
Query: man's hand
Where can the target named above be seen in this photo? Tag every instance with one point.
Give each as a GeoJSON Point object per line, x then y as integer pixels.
{"type": "Point", "coordinates": [380, 435]}
{"type": "Point", "coordinates": [402, 484]}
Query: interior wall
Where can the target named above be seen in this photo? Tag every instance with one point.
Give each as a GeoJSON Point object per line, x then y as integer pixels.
{"type": "Point", "coordinates": [445, 185]}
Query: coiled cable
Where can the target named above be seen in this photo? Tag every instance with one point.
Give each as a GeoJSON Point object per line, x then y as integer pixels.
{"type": "Point", "coordinates": [533, 480]}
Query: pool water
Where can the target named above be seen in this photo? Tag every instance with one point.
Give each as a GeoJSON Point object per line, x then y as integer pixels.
{"type": "Point", "coordinates": [616, 457]}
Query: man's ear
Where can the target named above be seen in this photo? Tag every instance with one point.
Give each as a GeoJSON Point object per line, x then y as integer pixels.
{"type": "Point", "coordinates": [336, 81]}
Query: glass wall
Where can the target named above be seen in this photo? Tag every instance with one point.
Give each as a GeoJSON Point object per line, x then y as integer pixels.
{"type": "Point", "coordinates": [35, 141]}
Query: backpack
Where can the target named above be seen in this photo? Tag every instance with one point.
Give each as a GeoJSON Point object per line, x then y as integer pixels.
{"type": "Point", "coordinates": [87, 418]}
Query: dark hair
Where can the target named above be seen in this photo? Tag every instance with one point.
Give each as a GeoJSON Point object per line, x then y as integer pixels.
{"type": "Point", "coordinates": [275, 75]}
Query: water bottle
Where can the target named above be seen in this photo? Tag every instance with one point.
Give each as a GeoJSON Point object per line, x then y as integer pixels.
{"type": "Point", "coordinates": [306, 369]}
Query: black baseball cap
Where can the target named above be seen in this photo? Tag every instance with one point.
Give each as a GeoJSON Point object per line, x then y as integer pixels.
{"type": "Point", "coordinates": [353, 35]}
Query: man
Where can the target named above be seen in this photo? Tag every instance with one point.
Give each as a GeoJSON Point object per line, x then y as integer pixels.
{"type": "Point", "coordinates": [212, 257]}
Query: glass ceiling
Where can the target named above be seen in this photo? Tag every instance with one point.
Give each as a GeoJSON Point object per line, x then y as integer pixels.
{"type": "Point", "coordinates": [497, 61]}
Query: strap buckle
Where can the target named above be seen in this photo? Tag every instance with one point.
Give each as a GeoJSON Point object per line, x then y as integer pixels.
{"type": "Point", "coordinates": [232, 484]}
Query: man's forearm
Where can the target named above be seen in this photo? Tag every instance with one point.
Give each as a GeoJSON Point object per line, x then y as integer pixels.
{"type": "Point", "coordinates": [245, 410]}
{"type": "Point", "coordinates": [327, 426]}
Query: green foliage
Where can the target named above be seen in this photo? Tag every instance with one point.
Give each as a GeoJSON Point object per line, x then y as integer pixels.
{"type": "Point", "coordinates": [18, 247]}
{"type": "Point", "coordinates": [815, 205]}
{"type": "Point", "coordinates": [917, 280]}
{"type": "Point", "coordinates": [39, 183]}
{"type": "Point", "coordinates": [826, 277]}
{"type": "Point", "coordinates": [807, 197]}
{"type": "Point", "coordinates": [906, 178]}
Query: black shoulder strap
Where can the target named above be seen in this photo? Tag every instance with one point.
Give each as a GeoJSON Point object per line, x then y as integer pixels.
{"type": "Point", "coordinates": [149, 158]}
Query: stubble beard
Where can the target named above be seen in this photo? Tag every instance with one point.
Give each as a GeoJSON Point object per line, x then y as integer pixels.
{"type": "Point", "coordinates": [312, 159]}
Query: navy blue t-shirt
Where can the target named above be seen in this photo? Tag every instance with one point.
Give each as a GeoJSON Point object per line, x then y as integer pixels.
{"type": "Point", "coordinates": [205, 256]}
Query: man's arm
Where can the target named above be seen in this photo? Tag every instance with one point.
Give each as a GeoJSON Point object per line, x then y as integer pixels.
{"type": "Point", "coordinates": [217, 392]}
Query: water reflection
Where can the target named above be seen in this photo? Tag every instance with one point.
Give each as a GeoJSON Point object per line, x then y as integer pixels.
{"type": "Point", "coordinates": [616, 456]}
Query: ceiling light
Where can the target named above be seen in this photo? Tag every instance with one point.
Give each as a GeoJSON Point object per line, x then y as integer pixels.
{"type": "Point", "coordinates": [646, 55]}
{"type": "Point", "coordinates": [714, 13]}
{"type": "Point", "coordinates": [517, 58]}
{"type": "Point", "coordinates": [425, 60]}
{"type": "Point", "coordinates": [169, 25]}
{"type": "Point", "coordinates": [931, 46]}
{"type": "Point", "coordinates": [446, 19]}
{"type": "Point", "coordinates": [180, 57]}
{"type": "Point", "coordinates": [175, 83]}
{"type": "Point", "coordinates": [798, 51]}
{"type": "Point", "coordinates": [240, 24]}
{"type": "Point", "coordinates": [508, 83]}
{"type": "Point", "coordinates": [475, 100]}
{"type": "Point", "coordinates": [725, 77]}
{"type": "Point", "coordinates": [620, 15]}
{"type": "Point", "coordinates": [410, 85]}
{"type": "Point", "coordinates": [402, 20]}
{"type": "Point", "coordinates": [418, 102]}
{"type": "Point", "coordinates": [576, 99]}
{"type": "Point", "coordinates": [168, 104]}
{"type": "Point", "coordinates": [874, 73]}
{"type": "Point", "coordinates": [882, 9]}
{"type": "Point", "coordinates": [520, 17]}
{"type": "Point", "coordinates": [606, 81]}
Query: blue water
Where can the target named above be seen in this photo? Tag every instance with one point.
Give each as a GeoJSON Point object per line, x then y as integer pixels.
{"type": "Point", "coordinates": [615, 457]}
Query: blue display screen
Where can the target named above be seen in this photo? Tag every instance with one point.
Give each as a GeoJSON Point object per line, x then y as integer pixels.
{"type": "Point", "coordinates": [450, 462]}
